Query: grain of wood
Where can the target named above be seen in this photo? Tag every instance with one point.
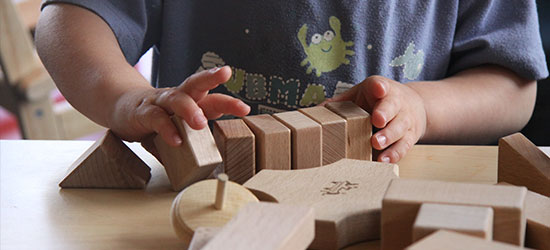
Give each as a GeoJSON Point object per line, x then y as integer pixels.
{"type": "Point", "coordinates": [306, 139]}
{"type": "Point", "coordinates": [456, 241]}
{"type": "Point", "coordinates": [236, 143]}
{"type": "Point", "coordinates": [272, 142]}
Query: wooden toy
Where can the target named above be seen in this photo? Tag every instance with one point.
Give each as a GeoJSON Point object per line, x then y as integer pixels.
{"type": "Point", "coordinates": [201, 236]}
{"type": "Point", "coordinates": [359, 129]}
{"type": "Point", "coordinates": [237, 146]}
{"type": "Point", "coordinates": [108, 163]}
{"type": "Point", "coordinates": [521, 163]}
{"type": "Point", "coordinates": [346, 196]}
{"type": "Point", "coordinates": [268, 226]}
{"type": "Point", "coordinates": [193, 160]}
{"type": "Point", "coordinates": [272, 142]}
{"type": "Point", "coordinates": [209, 203]}
{"type": "Point", "coordinates": [456, 241]}
{"type": "Point", "coordinates": [306, 139]}
{"type": "Point", "coordinates": [472, 220]}
{"type": "Point", "coordinates": [334, 133]}
{"type": "Point", "coordinates": [404, 197]}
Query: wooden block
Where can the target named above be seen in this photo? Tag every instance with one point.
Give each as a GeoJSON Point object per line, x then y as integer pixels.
{"type": "Point", "coordinates": [108, 163]}
{"type": "Point", "coordinates": [404, 197]}
{"type": "Point", "coordinates": [456, 241]}
{"type": "Point", "coordinates": [537, 208]}
{"type": "Point", "coordinates": [202, 236]}
{"type": "Point", "coordinates": [306, 139]}
{"type": "Point", "coordinates": [272, 142]}
{"type": "Point", "coordinates": [237, 146]}
{"type": "Point", "coordinates": [359, 129]}
{"type": "Point", "coordinates": [334, 133]}
{"type": "Point", "coordinates": [521, 163]}
{"type": "Point", "coordinates": [471, 220]}
{"type": "Point", "coordinates": [268, 226]}
{"type": "Point", "coordinates": [193, 160]}
{"type": "Point", "coordinates": [346, 196]}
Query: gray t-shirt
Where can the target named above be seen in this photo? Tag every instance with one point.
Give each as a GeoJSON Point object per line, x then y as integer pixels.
{"type": "Point", "coordinates": [291, 54]}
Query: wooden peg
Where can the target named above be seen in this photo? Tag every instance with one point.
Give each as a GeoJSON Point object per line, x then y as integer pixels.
{"type": "Point", "coordinates": [272, 142]}
{"type": "Point", "coordinates": [456, 241]}
{"type": "Point", "coordinates": [346, 196]}
{"type": "Point", "coordinates": [220, 191]}
{"type": "Point", "coordinates": [237, 146]}
{"type": "Point", "coordinates": [108, 163]}
{"type": "Point", "coordinates": [359, 129]}
{"type": "Point", "coordinates": [193, 160]}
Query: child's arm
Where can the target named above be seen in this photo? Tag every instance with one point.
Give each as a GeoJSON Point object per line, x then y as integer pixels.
{"type": "Point", "coordinates": [475, 106]}
{"type": "Point", "coordinates": [82, 55]}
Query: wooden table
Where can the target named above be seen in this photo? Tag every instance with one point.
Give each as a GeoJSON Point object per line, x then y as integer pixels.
{"type": "Point", "coordinates": [37, 214]}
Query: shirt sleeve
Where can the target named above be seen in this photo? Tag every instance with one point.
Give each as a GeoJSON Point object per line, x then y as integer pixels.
{"type": "Point", "coordinates": [504, 33]}
{"type": "Point", "coordinates": [136, 24]}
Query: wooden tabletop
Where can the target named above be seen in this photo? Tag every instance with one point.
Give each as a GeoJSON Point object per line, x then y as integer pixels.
{"type": "Point", "coordinates": [37, 214]}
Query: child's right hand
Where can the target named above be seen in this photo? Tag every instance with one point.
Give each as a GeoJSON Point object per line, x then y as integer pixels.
{"type": "Point", "coordinates": [141, 112]}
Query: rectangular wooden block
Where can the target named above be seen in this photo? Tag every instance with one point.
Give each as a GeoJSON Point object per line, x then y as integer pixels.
{"type": "Point", "coordinates": [334, 132]}
{"type": "Point", "coordinates": [471, 220]}
{"type": "Point", "coordinates": [306, 139]}
{"type": "Point", "coordinates": [236, 143]}
{"type": "Point", "coordinates": [272, 142]}
{"type": "Point", "coordinates": [404, 197]}
{"type": "Point", "coordinates": [193, 160]}
{"type": "Point", "coordinates": [359, 129]}
{"type": "Point", "coordinates": [456, 241]}
{"type": "Point", "coordinates": [537, 208]}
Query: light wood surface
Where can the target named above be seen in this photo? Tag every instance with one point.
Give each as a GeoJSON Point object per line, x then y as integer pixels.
{"type": "Point", "coordinates": [272, 142]}
{"type": "Point", "coordinates": [457, 241]}
{"type": "Point", "coordinates": [193, 160]}
{"type": "Point", "coordinates": [237, 146]}
{"type": "Point", "coordinates": [334, 133]}
{"type": "Point", "coordinates": [537, 208]}
{"type": "Point", "coordinates": [521, 163]}
{"type": "Point", "coordinates": [201, 236]}
{"type": "Point", "coordinates": [307, 139]}
{"type": "Point", "coordinates": [268, 226]}
{"type": "Point", "coordinates": [359, 129]}
{"type": "Point", "coordinates": [346, 196]}
{"type": "Point", "coordinates": [37, 214]}
{"type": "Point", "coordinates": [108, 163]}
{"type": "Point", "coordinates": [404, 197]}
{"type": "Point", "coordinates": [471, 220]}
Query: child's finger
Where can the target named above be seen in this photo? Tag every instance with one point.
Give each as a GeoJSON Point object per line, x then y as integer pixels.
{"type": "Point", "coordinates": [181, 104]}
{"type": "Point", "coordinates": [395, 130]}
{"type": "Point", "coordinates": [198, 85]}
{"type": "Point", "coordinates": [156, 119]}
{"type": "Point", "coordinates": [399, 149]}
{"type": "Point", "coordinates": [216, 105]}
{"type": "Point", "coordinates": [384, 111]}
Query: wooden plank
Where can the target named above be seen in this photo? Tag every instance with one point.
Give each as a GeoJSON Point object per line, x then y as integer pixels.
{"type": "Point", "coordinates": [306, 139]}
{"type": "Point", "coordinates": [521, 163]}
{"type": "Point", "coordinates": [471, 220]}
{"type": "Point", "coordinates": [272, 142]}
{"type": "Point", "coordinates": [456, 241]}
{"type": "Point", "coordinates": [268, 226]}
{"type": "Point", "coordinates": [193, 160]}
{"type": "Point", "coordinates": [346, 197]}
{"type": "Point", "coordinates": [334, 133]}
{"type": "Point", "coordinates": [108, 163]}
{"type": "Point", "coordinates": [359, 129]}
{"type": "Point", "coordinates": [237, 146]}
{"type": "Point", "coordinates": [404, 197]}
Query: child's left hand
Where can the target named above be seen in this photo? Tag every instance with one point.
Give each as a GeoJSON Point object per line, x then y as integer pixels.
{"type": "Point", "coordinates": [396, 109]}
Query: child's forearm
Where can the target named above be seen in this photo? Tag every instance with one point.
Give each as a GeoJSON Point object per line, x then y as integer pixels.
{"type": "Point", "coordinates": [476, 106]}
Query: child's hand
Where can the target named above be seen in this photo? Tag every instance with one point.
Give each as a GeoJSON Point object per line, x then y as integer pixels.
{"type": "Point", "coordinates": [144, 111]}
{"type": "Point", "coordinates": [396, 109]}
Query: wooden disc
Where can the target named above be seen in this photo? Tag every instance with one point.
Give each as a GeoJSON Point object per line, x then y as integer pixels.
{"type": "Point", "coordinates": [194, 207]}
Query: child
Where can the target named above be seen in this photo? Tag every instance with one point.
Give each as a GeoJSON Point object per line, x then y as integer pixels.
{"type": "Point", "coordinates": [469, 67]}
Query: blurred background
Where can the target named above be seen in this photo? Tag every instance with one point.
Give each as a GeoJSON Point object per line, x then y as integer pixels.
{"type": "Point", "coordinates": [31, 107]}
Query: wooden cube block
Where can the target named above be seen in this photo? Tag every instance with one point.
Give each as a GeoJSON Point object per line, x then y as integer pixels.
{"type": "Point", "coordinates": [306, 139]}
{"type": "Point", "coordinates": [537, 208]}
{"type": "Point", "coordinates": [237, 146]}
{"type": "Point", "coordinates": [267, 226]}
{"type": "Point", "coordinates": [359, 129]}
{"type": "Point", "coordinates": [193, 160]}
{"type": "Point", "coordinates": [272, 142]}
{"type": "Point", "coordinates": [521, 163]}
{"type": "Point", "coordinates": [334, 133]}
{"type": "Point", "coordinates": [108, 163]}
{"type": "Point", "coordinates": [456, 241]}
{"type": "Point", "coordinates": [471, 220]}
{"type": "Point", "coordinates": [404, 197]}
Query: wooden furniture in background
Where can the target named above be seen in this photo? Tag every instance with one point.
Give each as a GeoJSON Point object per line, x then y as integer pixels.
{"type": "Point", "coordinates": [272, 142]}
{"type": "Point", "coordinates": [237, 146]}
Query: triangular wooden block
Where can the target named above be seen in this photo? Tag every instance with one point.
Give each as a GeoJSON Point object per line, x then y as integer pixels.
{"type": "Point", "coordinates": [108, 163]}
{"type": "Point", "coordinates": [521, 163]}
